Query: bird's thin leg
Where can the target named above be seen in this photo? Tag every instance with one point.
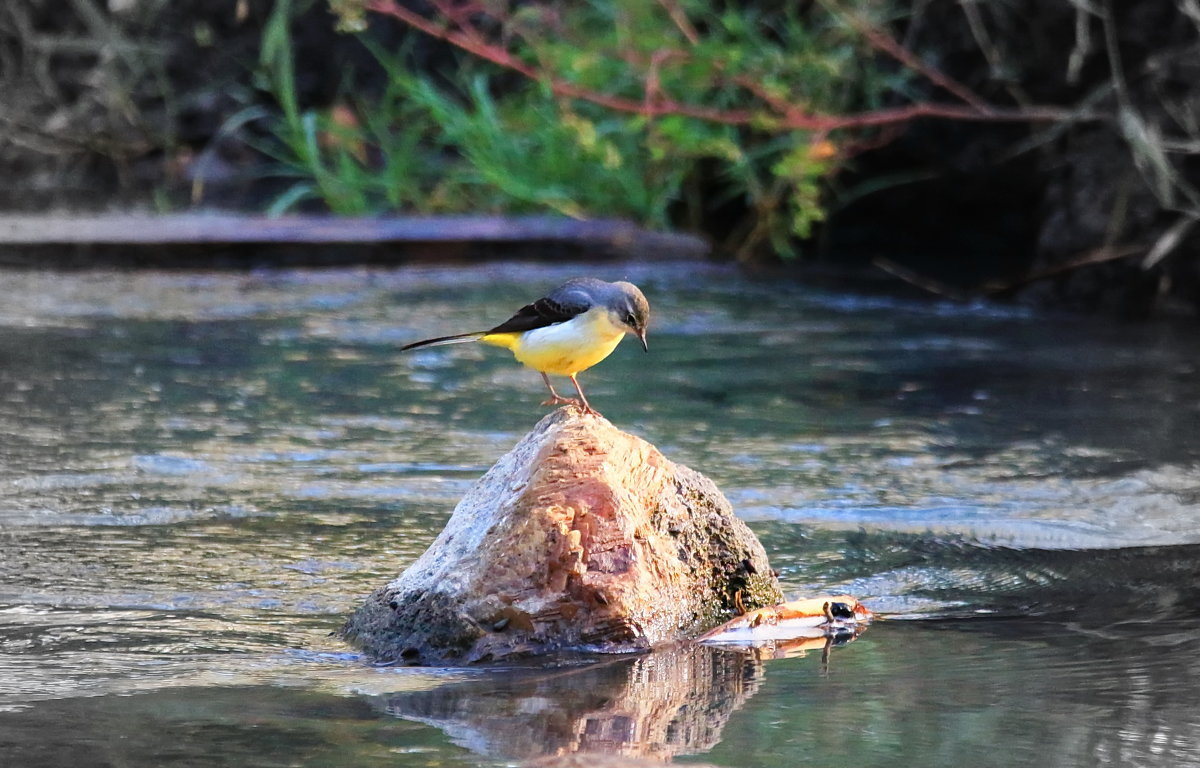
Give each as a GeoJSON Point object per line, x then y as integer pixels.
{"type": "Point", "coordinates": [555, 398]}
{"type": "Point", "coordinates": [587, 408]}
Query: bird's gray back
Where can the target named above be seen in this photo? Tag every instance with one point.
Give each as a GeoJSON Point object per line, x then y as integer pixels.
{"type": "Point", "coordinates": [581, 293]}
{"type": "Point", "coordinates": [575, 297]}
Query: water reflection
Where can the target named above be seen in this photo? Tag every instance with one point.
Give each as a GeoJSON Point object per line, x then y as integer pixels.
{"type": "Point", "coordinates": [201, 474]}
{"type": "Point", "coordinates": [949, 693]}
{"type": "Point", "coordinates": [656, 706]}
{"type": "Point", "coordinates": [986, 693]}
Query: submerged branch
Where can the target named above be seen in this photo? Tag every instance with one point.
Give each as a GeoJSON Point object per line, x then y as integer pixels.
{"type": "Point", "coordinates": [1089, 258]}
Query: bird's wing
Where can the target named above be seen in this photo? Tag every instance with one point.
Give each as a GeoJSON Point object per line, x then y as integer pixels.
{"type": "Point", "coordinates": [558, 307]}
{"type": "Point", "coordinates": [572, 298]}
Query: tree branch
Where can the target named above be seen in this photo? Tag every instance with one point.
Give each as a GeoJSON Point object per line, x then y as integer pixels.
{"type": "Point", "coordinates": [884, 42]}
{"type": "Point", "coordinates": [471, 40]}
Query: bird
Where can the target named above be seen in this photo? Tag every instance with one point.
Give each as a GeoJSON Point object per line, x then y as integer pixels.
{"type": "Point", "coordinates": [572, 328]}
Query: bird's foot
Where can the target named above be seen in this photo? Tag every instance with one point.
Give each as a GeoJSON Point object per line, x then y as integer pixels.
{"type": "Point", "coordinates": [560, 400]}
{"type": "Point", "coordinates": [575, 401]}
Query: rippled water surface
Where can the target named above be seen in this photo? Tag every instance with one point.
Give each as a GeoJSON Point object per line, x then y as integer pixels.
{"type": "Point", "coordinates": [201, 474]}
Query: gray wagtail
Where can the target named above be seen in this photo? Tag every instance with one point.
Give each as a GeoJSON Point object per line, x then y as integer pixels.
{"type": "Point", "coordinates": [575, 326]}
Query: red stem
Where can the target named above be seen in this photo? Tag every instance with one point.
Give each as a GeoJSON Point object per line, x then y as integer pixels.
{"type": "Point", "coordinates": [472, 41]}
{"type": "Point", "coordinates": [882, 41]}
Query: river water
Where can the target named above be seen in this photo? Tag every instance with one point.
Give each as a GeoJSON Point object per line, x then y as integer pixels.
{"type": "Point", "coordinates": [201, 474]}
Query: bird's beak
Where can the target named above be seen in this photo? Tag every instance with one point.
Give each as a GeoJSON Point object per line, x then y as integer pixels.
{"type": "Point", "coordinates": [642, 338]}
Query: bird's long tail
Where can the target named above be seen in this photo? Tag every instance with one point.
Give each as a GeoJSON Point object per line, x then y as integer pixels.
{"type": "Point", "coordinates": [458, 338]}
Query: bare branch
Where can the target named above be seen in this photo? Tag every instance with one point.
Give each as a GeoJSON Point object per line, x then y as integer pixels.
{"type": "Point", "coordinates": [1083, 41]}
{"type": "Point", "coordinates": [923, 282]}
{"type": "Point", "coordinates": [1113, 51]}
{"type": "Point", "coordinates": [884, 42]}
{"type": "Point", "coordinates": [680, 19]}
{"type": "Point", "coordinates": [1168, 240]}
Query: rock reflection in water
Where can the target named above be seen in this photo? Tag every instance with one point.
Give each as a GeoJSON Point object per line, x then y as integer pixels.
{"type": "Point", "coordinates": [654, 706]}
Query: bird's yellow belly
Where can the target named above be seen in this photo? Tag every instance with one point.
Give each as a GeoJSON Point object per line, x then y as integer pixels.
{"type": "Point", "coordinates": [564, 359]}
{"type": "Point", "coordinates": [564, 349]}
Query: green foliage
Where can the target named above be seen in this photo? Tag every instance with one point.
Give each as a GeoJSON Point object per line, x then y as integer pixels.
{"type": "Point", "coordinates": [478, 141]}
{"type": "Point", "coordinates": [355, 165]}
{"type": "Point", "coordinates": [526, 154]}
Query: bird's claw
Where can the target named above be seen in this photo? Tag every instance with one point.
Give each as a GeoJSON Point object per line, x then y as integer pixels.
{"type": "Point", "coordinates": [560, 400]}
{"type": "Point", "coordinates": [575, 401]}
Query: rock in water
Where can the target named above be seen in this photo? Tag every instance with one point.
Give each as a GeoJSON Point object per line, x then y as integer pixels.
{"type": "Point", "coordinates": [582, 536]}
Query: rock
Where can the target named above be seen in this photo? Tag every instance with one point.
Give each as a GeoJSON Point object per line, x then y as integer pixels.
{"type": "Point", "coordinates": [581, 536]}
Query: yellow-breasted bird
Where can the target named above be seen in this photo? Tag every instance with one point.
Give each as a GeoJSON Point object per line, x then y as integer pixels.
{"type": "Point", "coordinates": [575, 326]}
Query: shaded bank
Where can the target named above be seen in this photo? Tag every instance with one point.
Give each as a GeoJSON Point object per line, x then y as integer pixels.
{"type": "Point", "coordinates": [141, 105]}
{"type": "Point", "coordinates": [1092, 215]}
{"type": "Point", "coordinates": [191, 241]}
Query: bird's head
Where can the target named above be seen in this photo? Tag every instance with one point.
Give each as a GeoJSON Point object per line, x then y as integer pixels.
{"type": "Point", "coordinates": [630, 311]}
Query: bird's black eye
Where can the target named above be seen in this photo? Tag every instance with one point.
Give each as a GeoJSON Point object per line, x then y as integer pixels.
{"type": "Point", "coordinates": [630, 319]}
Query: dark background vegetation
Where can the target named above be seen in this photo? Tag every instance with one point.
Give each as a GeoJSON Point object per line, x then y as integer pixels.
{"type": "Point", "coordinates": [112, 105]}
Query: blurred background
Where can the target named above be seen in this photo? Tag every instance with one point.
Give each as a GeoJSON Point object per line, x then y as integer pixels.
{"type": "Point", "coordinates": [1039, 150]}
